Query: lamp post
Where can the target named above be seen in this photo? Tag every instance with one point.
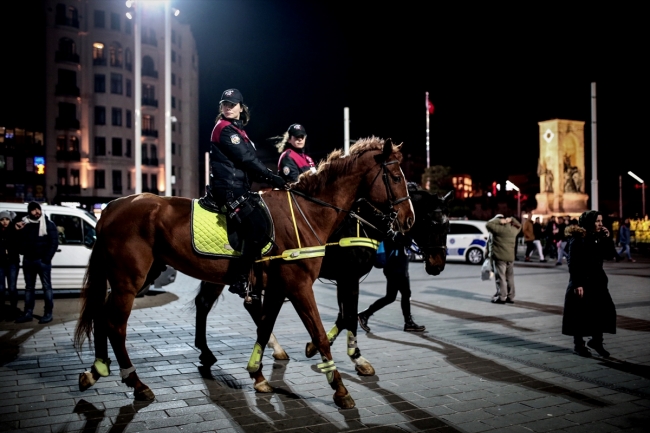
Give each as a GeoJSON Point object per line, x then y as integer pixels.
{"type": "Point", "coordinates": [638, 179]}
{"type": "Point", "coordinates": [510, 186]}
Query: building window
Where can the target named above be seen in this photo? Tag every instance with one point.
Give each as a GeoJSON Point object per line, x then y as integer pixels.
{"type": "Point", "coordinates": [67, 51]}
{"type": "Point", "coordinates": [173, 56]}
{"type": "Point", "coordinates": [148, 67]}
{"type": "Point", "coordinates": [127, 151]}
{"type": "Point", "coordinates": [74, 144]}
{"type": "Point", "coordinates": [100, 179]}
{"type": "Point", "coordinates": [128, 118]}
{"type": "Point", "coordinates": [116, 116]}
{"type": "Point", "coordinates": [144, 182]}
{"type": "Point", "coordinates": [180, 61]}
{"type": "Point", "coordinates": [173, 36]}
{"type": "Point", "coordinates": [67, 111]}
{"type": "Point", "coordinates": [148, 122]}
{"type": "Point", "coordinates": [100, 146]}
{"type": "Point", "coordinates": [148, 92]}
{"type": "Point", "coordinates": [116, 146]}
{"type": "Point", "coordinates": [60, 143]}
{"type": "Point", "coordinates": [173, 148]}
{"type": "Point", "coordinates": [154, 155]}
{"type": "Point", "coordinates": [74, 177]}
{"type": "Point", "coordinates": [99, 56]}
{"type": "Point", "coordinates": [100, 83]}
{"type": "Point", "coordinates": [173, 102]}
{"type": "Point", "coordinates": [128, 27]}
{"type": "Point", "coordinates": [128, 60]}
{"type": "Point", "coordinates": [180, 105]}
{"type": "Point", "coordinates": [143, 149]}
{"type": "Point", "coordinates": [62, 176]}
{"type": "Point", "coordinates": [129, 185]}
{"type": "Point", "coordinates": [115, 55]}
{"type": "Point", "coordinates": [100, 19]}
{"type": "Point", "coordinates": [66, 16]}
{"type": "Point", "coordinates": [100, 115]}
{"type": "Point", "coordinates": [154, 182]}
{"type": "Point", "coordinates": [116, 84]}
{"type": "Point", "coordinates": [129, 87]}
{"type": "Point", "coordinates": [173, 79]}
{"type": "Point", "coordinates": [117, 182]}
{"type": "Point", "coordinates": [180, 82]}
{"type": "Point", "coordinates": [115, 21]}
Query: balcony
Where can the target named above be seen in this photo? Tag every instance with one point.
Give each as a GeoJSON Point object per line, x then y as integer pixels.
{"type": "Point", "coordinates": [153, 162]}
{"type": "Point", "coordinates": [150, 102]}
{"type": "Point", "coordinates": [65, 155]}
{"type": "Point", "coordinates": [62, 56]}
{"type": "Point", "coordinates": [99, 61]}
{"type": "Point", "coordinates": [116, 63]}
{"type": "Point", "coordinates": [66, 90]}
{"type": "Point", "coordinates": [67, 123]}
{"type": "Point", "coordinates": [68, 189]}
{"type": "Point", "coordinates": [148, 132]}
{"type": "Point", "coordinates": [66, 21]}
{"type": "Point", "coordinates": [149, 73]}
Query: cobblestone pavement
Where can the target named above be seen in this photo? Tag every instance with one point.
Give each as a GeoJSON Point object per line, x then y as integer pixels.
{"type": "Point", "coordinates": [478, 367]}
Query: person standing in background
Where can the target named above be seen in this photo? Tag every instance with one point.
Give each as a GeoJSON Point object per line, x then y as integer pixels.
{"type": "Point", "coordinates": [9, 264]}
{"type": "Point", "coordinates": [504, 235]}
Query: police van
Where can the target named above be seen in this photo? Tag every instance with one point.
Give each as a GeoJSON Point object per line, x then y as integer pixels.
{"type": "Point", "coordinates": [76, 232]}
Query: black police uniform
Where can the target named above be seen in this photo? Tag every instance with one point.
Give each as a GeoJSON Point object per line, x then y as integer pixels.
{"type": "Point", "coordinates": [232, 162]}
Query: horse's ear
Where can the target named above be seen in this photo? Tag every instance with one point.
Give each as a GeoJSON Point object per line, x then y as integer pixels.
{"type": "Point", "coordinates": [388, 148]}
{"type": "Point", "coordinates": [448, 197]}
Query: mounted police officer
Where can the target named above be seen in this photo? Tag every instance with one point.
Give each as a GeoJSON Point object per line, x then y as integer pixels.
{"type": "Point", "coordinates": [294, 160]}
{"type": "Point", "coordinates": [232, 164]}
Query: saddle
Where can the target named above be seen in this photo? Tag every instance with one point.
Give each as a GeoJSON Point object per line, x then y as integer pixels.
{"type": "Point", "coordinates": [213, 236]}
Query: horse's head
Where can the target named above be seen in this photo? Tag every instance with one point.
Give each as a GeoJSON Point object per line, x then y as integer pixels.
{"type": "Point", "coordinates": [387, 186]}
{"type": "Point", "coordinates": [430, 232]}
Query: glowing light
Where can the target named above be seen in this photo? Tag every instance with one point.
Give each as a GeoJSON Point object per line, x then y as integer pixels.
{"type": "Point", "coordinates": [98, 45]}
{"type": "Point", "coordinates": [129, 3]}
{"type": "Point", "coordinates": [129, 15]}
{"type": "Point", "coordinates": [635, 176]}
{"type": "Point", "coordinates": [510, 186]}
{"type": "Point", "coordinates": [176, 12]}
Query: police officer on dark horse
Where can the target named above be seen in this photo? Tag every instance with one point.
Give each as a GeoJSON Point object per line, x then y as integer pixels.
{"type": "Point", "coordinates": [232, 164]}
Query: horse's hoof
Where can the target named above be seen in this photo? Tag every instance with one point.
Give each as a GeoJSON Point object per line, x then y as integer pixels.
{"type": "Point", "coordinates": [86, 380]}
{"type": "Point", "coordinates": [345, 402]}
{"type": "Point", "coordinates": [207, 359]}
{"type": "Point", "coordinates": [364, 369]}
{"type": "Point", "coordinates": [263, 386]}
{"type": "Point", "coordinates": [281, 356]}
{"type": "Point", "coordinates": [311, 350]}
{"type": "Point", "coordinates": [145, 394]}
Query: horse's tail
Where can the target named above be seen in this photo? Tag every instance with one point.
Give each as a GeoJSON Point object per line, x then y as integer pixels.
{"type": "Point", "coordinates": [93, 295]}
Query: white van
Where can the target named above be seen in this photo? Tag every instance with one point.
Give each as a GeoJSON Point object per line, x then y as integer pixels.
{"type": "Point", "coordinates": [76, 229]}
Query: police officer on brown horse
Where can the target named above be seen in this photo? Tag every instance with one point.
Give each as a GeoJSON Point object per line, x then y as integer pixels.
{"type": "Point", "coordinates": [233, 164]}
{"type": "Point", "coordinates": [293, 159]}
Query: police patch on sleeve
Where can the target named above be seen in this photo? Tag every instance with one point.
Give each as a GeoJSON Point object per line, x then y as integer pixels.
{"type": "Point", "coordinates": [235, 139]}
{"type": "Point", "coordinates": [286, 170]}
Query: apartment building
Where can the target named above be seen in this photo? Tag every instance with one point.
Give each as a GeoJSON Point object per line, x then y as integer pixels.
{"type": "Point", "coordinates": [90, 103]}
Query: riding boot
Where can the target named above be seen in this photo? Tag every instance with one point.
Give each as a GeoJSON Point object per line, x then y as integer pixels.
{"type": "Point", "coordinates": [242, 280]}
{"type": "Point", "coordinates": [411, 326]}
{"type": "Point", "coordinates": [363, 320]}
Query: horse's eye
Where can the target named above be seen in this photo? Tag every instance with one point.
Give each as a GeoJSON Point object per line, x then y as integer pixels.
{"type": "Point", "coordinates": [397, 179]}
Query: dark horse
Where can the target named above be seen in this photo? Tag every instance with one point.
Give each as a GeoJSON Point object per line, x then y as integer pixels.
{"type": "Point", "coordinates": [137, 231]}
{"type": "Point", "coordinates": [346, 265]}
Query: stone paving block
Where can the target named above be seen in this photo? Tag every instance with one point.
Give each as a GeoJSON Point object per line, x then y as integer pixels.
{"type": "Point", "coordinates": [465, 417]}
{"type": "Point", "coordinates": [549, 424]}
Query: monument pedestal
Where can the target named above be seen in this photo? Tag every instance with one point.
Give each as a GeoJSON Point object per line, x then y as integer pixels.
{"type": "Point", "coordinates": [549, 203]}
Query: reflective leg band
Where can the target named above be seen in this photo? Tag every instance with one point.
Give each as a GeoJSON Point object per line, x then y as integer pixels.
{"type": "Point", "coordinates": [327, 367]}
{"type": "Point", "coordinates": [102, 366]}
{"type": "Point", "coordinates": [331, 336]}
{"type": "Point", "coordinates": [352, 344]}
{"type": "Point", "coordinates": [255, 359]}
{"type": "Point", "coordinates": [124, 372]}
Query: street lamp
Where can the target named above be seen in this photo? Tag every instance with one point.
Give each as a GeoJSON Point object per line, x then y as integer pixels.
{"type": "Point", "coordinates": [638, 179]}
{"type": "Point", "coordinates": [509, 187]}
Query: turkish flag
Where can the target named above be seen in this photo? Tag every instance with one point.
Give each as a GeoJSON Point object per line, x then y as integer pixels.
{"type": "Point", "coordinates": [430, 106]}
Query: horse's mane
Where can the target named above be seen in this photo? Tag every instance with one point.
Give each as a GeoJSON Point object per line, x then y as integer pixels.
{"type": "Point", "coordinates": [337, 164]}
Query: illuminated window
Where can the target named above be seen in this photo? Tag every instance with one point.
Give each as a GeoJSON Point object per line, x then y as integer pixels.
{"type": "Point", "coordinates": [99, 55]}
{"type": "Point", "coordinates": [115, 55]}
{"type": "Point", "coordinates": [74, 177]}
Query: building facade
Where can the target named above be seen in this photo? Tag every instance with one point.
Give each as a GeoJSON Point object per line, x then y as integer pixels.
{"type": "Point", "coordinates": [90, 103]}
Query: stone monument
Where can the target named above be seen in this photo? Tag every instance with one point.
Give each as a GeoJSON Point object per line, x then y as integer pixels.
{"type": "Point", "coordinates": [561, 168]}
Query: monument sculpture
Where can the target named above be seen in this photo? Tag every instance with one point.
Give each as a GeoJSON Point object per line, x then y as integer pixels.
{"type": "Point", "coordinates": [561, 167]}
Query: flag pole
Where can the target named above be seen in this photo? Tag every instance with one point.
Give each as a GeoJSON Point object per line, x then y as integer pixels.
{"type": "Point", "coordinates": [427, 108]}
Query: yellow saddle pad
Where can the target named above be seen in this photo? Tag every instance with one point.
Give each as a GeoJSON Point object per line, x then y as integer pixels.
{"type": "Point", "coordinates": [210, 235]}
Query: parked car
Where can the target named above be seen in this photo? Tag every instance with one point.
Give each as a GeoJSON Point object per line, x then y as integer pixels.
{"type": "Point", "coordinates": [76, 230]}
{"type": "Point", "coordinates": [467, 241]}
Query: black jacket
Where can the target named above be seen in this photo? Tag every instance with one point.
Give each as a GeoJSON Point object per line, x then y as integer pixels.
{"type": "Point", "coordinates": [35, 247]}
{"type": "Point", "coordinates": [594, 313]}
{"type": "Point", "coordinates": [9, 246]}
{"type": "Point", "coordinates": [232, 158]}
{"type": "Point", "coordinates": [289, 168]}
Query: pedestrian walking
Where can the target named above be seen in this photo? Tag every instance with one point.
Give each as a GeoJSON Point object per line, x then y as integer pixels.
{"type": "Point", "coordinates": [624, 240]}
{"type": "Point", "coordinates": [38, 242]}
{"type": "Point", "coordinates": [538, 234]}
{"type": "Point", "coordinates": [503, 235]}
{"type": "Point", "coordinates": [396, 271]}
{"type": "Point", "coordinates": [9, 264]}
{"type": "Point", "coordinates": [588, 306]}
{"type": "Point", "coordinates": [561, 240]}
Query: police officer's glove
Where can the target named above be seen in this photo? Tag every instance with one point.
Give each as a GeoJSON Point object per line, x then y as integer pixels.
{"type": "Point", "coordinates": [277, 181]}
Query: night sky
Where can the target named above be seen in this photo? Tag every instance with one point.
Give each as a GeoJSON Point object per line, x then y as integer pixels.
{"type": "Point", "coordinates": [492, 73]}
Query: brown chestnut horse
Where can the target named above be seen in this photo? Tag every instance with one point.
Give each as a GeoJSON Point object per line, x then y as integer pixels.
{"type": "Point", "coordinates": [347, 265]}
{"type": "Point", "coordinates": [137, 231]}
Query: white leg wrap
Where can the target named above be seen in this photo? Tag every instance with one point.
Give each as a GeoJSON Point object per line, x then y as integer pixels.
{"type": "Point", "coordinates": [360, 361]}
{"type": "Point", "coordinates": [352, 343]}
{"type": "Point", "coordinates": [328, 368]}
{"type": "Point", "coordinates": [124, 372]}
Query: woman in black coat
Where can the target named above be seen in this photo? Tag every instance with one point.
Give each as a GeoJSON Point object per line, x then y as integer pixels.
{"type": "Point", "coordinates": [588, 306]}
